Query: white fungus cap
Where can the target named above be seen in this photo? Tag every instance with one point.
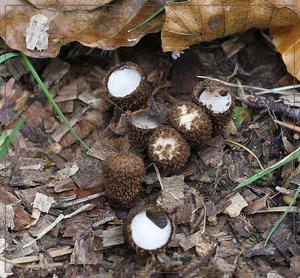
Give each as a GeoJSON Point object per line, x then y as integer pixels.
{"type": "Point", "coordinates": [123, 81]}
{"type": "Point", "coordinates": [145, 122]}
{"type": "Point", "coordinates": [148, 235]}
{"type": "Point", "coordinates": [216, 102]}
{"type": "Point", "coordinates": [165, 148]}
{"type": "Point", "coordinates": [186, 117]}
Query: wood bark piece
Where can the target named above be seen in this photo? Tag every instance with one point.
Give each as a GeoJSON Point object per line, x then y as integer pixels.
{"type": "Point", "coordinates": [13, 102]}
{"type": "Point", "coordinates": [63, 129]}
{"type": "Point", "coordinates": [7, 215]}
{"type": "Point", "coordinates": [30, 259]}
{"type": "Point", "coordinates": [29, 172]}
{"type": "Point", "coordinates": [205, 248]}
{"type": "Point", "coordinates": [41, 203]}
{"type": "Point", "coordinates": [172, 195]}
{"type": "Point", "coordinates": [237, 204]}
{"type": "Point", "coordinates": [112, 236]}
{"type": "Point", "coordinates": [22, 218]}
{"type": "Point", "coordinates": [83, 253]}
{"type": "Point", "coordinates": [68, 92]}
{"type": "Point", "coordinates": [89, 168]}
{"type": "Point", "coordinates": [54, 72]}
{"type": "Point", "coordinates": [27, 195]}
{"type": "Point", "coordinates": [191, 241]}
{"type": "Point", "coordinates": [82, 128]}
{"type": "Point", "coordinates": [102, 150]}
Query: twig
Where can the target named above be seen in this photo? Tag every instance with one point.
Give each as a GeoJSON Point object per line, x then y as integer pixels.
{"type": "Point", "coordinates": [56, 221]}
{"type": "Point", "coordinates": [35, 258]}
{"type": "Point", "coordinates": [248, 150]}
{"type": "Point", "coordinates": [287, 125]}
{"type": "Point", "coordinates": [255, 101]}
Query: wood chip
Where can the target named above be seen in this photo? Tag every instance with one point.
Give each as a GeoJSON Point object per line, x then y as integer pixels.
{"type": "Point", "coordinates": [237, 204]}
{"type": "Point", "coordinates": [63, 129]}
{"type": "Point", "coordinates": [43, 202]}
{"type": "Point", "coordinates": [191, 241]}
{"type": "Point", "coordinates": [102, 150]}
{"type": "Point", "coordinates": [110, 237]}
{"type": "Point", "coordinates": [7, 216]}
{"type": "Point", "coordinates": [83, 253]}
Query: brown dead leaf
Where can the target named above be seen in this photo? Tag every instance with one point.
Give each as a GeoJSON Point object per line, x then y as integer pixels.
{"type": "Point", "coordinates": [70, 5]}
{"type": "Point", "coordinates": [197, 21]}
{"type": "Point", "coordinates": [287, 42]}
{"type": "Point", "coordinates": [105, 27]}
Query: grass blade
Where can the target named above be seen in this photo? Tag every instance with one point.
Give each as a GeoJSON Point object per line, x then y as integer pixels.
{"type": "Point", "coordinates": [295, 154]}
{"type": "Point", "coordinates": [149, 18]}
{"type": "Point", "coordinates": [51, 100]}
{"type": "Point", "coordinates": [4, 147]}
{"type": "Point", "coordinates": [282, 216]}
{"type": "Point", "coordinates": [7, 56]}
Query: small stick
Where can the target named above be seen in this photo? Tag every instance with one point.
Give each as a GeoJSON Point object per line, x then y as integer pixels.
{"type": "Point", "coordinates": [57, 220]}
{"type": "Point", "coordinates": [290, 126]}
{"type": "Point", "coordinates": [255, 101]}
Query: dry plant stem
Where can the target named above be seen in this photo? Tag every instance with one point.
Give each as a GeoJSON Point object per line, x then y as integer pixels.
{"type": "Point", "coordinates": [30, 259]}
{"type": "Point", "coordinates": [279, 90]}
{"type": "Point", "coordinates": [57, 220]}
{"type": "Point", "coordinates": [248, 150]}
{"type": "Point", "coordinates": [255, 101]}
{"type": "Point", "coordinates": [279, 209]}
{"type": "Point", "coordinates": [62, 204]}
{"type": "Point", "coordinates": [290, 126]}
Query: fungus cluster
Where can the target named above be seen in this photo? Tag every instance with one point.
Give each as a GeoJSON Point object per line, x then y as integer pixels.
{"type": "Point", "coordinates": [166, 134]}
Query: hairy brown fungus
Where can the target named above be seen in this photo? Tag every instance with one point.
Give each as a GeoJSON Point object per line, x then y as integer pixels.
{"type": "Point", "coordinates": [127, 86]}
{"type": "Point", "coordinates": [143, 122]}
{"type": "Point", "coordinates": [218, 101]}
{"type": "Point", "coordinates": [167, 149]}
{"type": "Point", "coordinates": [192, 122]}
{"type": "Point", "coordinates": [123, 174]}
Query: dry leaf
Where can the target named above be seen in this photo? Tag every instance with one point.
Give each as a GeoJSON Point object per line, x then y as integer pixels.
{"type": "Point", "coordinates": [70, 5]}
{"type": "Point", "coordinates": [105, 27]}
{"type": "Point", "coordinates": [287, 42]}
{"type": "Point", "coordinates": [196, 21]}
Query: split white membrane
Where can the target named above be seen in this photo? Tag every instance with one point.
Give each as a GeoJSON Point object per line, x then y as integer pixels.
{"type": "Point", "coordinates": [147, 235]}
{"type": "Point", "coordinates": [123, 81]}
{"type": "Point", "coordinates": [186, 118]}
{"type": "Point", "coordinates": [166, 146]}
{"type": "Point", "coordinates": [215, 102]}
{"type": "Point", "coordinates": [145, 122]}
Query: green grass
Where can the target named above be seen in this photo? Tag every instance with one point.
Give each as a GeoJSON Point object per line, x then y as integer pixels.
{"type": "Point", "coordinates": [149, 18]}
{"type": "Point", "coordinates": [7, 138]}
{"type": "Point", "coordinates": [292, 156]}
{"type": "Point", "coordinates": [7, 56]}
{"type": "Point", "coordinates": [51, 100]}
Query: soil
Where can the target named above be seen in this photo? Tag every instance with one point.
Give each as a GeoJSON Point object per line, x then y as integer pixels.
{"type": "Point", "coordinates": [48, 175]}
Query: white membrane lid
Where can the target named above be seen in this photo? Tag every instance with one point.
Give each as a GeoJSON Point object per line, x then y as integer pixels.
{"type": "Point", "coordinates": [166, 146]}
{"type": "Point", "coordinates": [123, 82]}
{"type": "Point", "coordinates": [186, 117]}
{"type": "Point", "coordinates": [145, 122]}
{"type": "Point", "coordinates": [146, 234]}
{"type": "Point", "coordinates": [215, 102]}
